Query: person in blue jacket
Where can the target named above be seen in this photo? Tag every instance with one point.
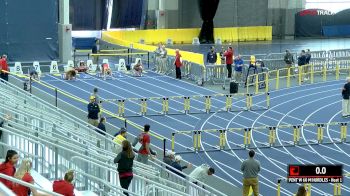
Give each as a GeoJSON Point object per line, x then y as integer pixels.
{"type": "Point", "coordinates": [238, 68]}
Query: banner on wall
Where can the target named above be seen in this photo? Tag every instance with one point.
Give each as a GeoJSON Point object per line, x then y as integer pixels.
{"type": "Point", "coordinates": [319, 22]}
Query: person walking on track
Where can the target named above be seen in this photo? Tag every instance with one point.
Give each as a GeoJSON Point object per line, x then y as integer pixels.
{"type": "Point", "coordinates": [250, 169]}
{"type": "Point", "coordinates": [178, 64]}
{"type": "Point", "coordinates": [346, 103]}
{"type": "Point", "coordinates": [289, 60]}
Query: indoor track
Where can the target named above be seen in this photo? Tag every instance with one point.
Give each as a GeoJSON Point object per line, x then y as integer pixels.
{"type": "Point", "coordinates": [307, 104]}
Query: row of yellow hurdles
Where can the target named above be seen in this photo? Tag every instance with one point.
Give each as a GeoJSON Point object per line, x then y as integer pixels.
{"type": "Point", "coordinates": [300, 73]}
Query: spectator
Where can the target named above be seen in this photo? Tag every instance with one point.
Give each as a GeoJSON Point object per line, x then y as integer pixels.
{"type": "Point", "coordinates": [211, 56]}
{"type": "Point", "coordinates": [201, 173]}
{"type": "Point", "coordinates": [289, 60]}
{"type": "Point", "coordinates": [118, 139]}
{"type": "Point", "coordinates": [222, 56]}
{"type": "Point", "coordinates": [302, 61]}
{"type": "Point", "coordinates": [93, 110]}
{"type": "Point", "coordinates": [178, 64]}
{"type": "Point", "coordinates": [95, 50]}
{"type": "Point", "coordinates": [144, 143]}
{"type": "Point", "coordinates": [65, 187]}
{"type": "Point", "coordinates": [101, 126]}
{"type": "Point", "coordinates": [138, 68]}
{"type": "Point", "coordinates": [125, 160]}
{"type": "Point", "coordinates": [176, 164]}
{"type": "Point", "coordinates": [164, 59]}
{"type": "Point", "coordinates": [229, 60]}
{"type": "Point", "coordinates": [250, 169]}
{"type": "Point", "coordinates": [169, 157]}
{"type": "Point", "coordinates": [3, 120]}
{"type": "Point", "coordinates": [307, 64]}
{"type": "Point", "coordinates": [157, 53]}
{"type": "Point", "coordinates": [346, 102]}
{"type": "Point", "coordinates": [23, 173]}
{"type": "Point", "coordinates": [238, 68]}
{"type": "Point", "coordinates": [301, 191]}
{"type": "Point", "coordinates": [8, 167]}
{"type": "Point", "coordinates": [4, 67]}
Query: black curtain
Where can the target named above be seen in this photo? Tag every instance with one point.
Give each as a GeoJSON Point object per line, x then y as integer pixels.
{"type": "Point", "coordinates": [207, 10]}
{"type": "Point", "coordinates": [87, 14]}
{"type": "Point", "coordinates": [128, 13]}
{"type": "Point", "coordinates": [29, 30]}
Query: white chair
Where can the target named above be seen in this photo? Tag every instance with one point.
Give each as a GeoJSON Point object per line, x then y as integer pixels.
{"type": "Point", "coordinates": [37, 68]}
{"type": "Point", "coordinates": [122, 66]}
{"type": "Point", "coordinates": [18, 68]}
{"type": "Point", "coordinates": [218, 41]}
{"type": "Point", "coordinates": [54, 68]}
{"type": "Point", "coordinates": [70, 64]}
{"type": "Point", "coordinates": [91, 66]}
{"type": "Point", "coordinates": [169, 41]}
{"type": "Point", "coordinates": [195, 41]}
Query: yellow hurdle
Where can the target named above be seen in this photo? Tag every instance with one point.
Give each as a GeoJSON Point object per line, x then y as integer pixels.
{"type": "Point", "coordinates": [121, 107]}
{"type": "Point", "coordinates": [337, 189]}
{"type": "Point", "coordinates": [272, 136]}
{"type": "Point", "coordinates": [300, 74]}
{"type": "Point", "coordinates": [256, 83]}
{"type": "Point", "coordinates": [279, 187]}
{"type": "Point", "coordinates": [248, 101]}
{"type": "Point", "coordinates": [266, 82]}
{"type": "Point", "coordinates": [207, 103]}
{"type": "Point", "coordinates": [337, 71]}
{"type": "Point", "coordinates": [343, 131]}
{"type": "Point", "coordinates": [187, 104]}
{"type": "Point", "coordinates": [308, 189]}
{"type": "Point", "coordinates": [143, 106]}
{"type": "Point", "coordinates": [288, 78]}
{"type": "Point", "coordinates": [277, 79]}
{"type": "Point", "coordinates": [195, 141]}
{"type": "Point", "coordinates": [268, 100]}
{"type": "Point", "coordinates": [296, 134]}
{"type": "Point", "coordinates": [324, 72]}
{"type": "Point", "coordinates": [312, 74]}
{"type": "Point", "coordinates": [199, 139]}
{"type": "Point", "coordinates": [165, 105]}
{"type": "Point", "coordinates": [247, 135]}
{"type": "Point", "coordinates": [173, 142]}
{"type": "Point", "coordinates": [228, 103]}
{"type": "Point", "coordinates": [320, 133]}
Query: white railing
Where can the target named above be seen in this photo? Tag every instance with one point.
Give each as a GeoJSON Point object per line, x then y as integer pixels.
{"type": "Point", "coordinates": [31, 186]}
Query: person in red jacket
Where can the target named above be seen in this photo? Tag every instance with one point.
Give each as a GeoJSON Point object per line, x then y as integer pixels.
{"type": "Point", "coordinates": [8, 167]}
{"type": "Point", "coordinates": [65, 187]}
{"type": "Point", "coordinates": [4, 67]}
{"type": "Point", "coordinates": [178, 64]}
{"type": "Point", "coordinates": [23, 173]}
{"type": "Point", "coordinates": [229, 60]}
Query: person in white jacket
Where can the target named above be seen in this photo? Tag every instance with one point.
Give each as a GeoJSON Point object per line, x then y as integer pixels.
{"type": "Point", "coordinates": [201, 173]}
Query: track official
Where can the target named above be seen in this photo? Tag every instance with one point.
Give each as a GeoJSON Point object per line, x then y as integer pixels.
{"type": "Point", "coordinates": [346, 103]}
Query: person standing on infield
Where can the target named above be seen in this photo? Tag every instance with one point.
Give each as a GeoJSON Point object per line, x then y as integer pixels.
{"type": "Point", "coordinates": [346, 103]}
{"type": "Point", "coordinates": [250, 169]}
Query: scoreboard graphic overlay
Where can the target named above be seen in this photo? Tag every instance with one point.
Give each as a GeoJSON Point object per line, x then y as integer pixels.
{"type": "Point", "coordinates": [315, 174]}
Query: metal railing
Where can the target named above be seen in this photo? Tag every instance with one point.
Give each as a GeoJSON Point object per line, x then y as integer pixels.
{"type": "Point", "coordinates": [31, 186]}
{"type": "Point", "coordinates": [33, 115]}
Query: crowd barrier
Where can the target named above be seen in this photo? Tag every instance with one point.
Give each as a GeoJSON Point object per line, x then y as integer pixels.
{"type": "Point", "coordinates": [307, 74]}
{"type": "Point", "coordinates": [270, 131]}
{"type": "Point", "coordinates": [188, 104]}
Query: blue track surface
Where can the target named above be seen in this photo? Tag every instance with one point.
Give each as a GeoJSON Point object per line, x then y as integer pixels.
{"type": "Point", "coordinates": [317, 103]}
